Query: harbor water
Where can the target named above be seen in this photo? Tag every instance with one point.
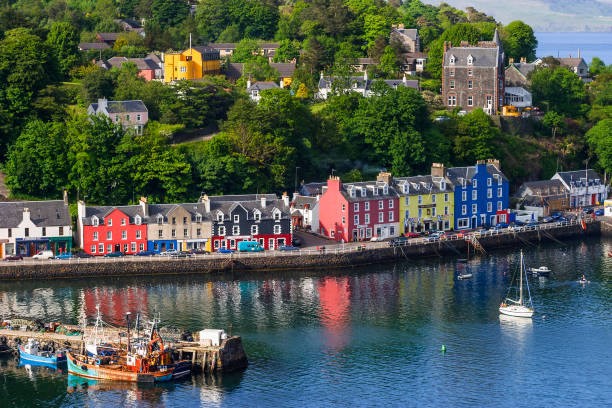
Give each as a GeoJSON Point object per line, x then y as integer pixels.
{"type": "Point", "coordinates": [357, 337]}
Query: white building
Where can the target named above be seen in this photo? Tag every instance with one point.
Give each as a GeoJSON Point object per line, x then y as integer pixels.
{"type": "Point", "coordinates": [585, 187]}
{"type": "Point", "coordinates": [254, 89]}
{"type": "Point", "coordinates": [27, 227]}
{"type": "Point", "coordinates": [329, 85]}
{"type": "Point", "coordinates": [305, 212]}
{"type": "Point", "coordinates": [518, 96]}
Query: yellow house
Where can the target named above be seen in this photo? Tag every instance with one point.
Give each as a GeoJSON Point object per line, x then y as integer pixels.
{"type": "Point", "coordinates": [193, 63]}
{"type": "Point", "coordinates": [425, 203]}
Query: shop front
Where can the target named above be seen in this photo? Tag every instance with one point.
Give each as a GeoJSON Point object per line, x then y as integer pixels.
{"type": "Point", "coordinates": [60, 245]}
{"type": "Point", "coordinates": [31, 246]}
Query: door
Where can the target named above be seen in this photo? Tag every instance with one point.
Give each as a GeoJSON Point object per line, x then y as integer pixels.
{"type": "Point", "coordinates": [31, 249]}
{"type": "Point", "coordinates": [474, 223]}
{"type": "Point", "coordinates": [271, 243]}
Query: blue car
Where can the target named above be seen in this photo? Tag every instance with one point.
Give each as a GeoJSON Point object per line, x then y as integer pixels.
{"type": "Point", "coordinates": [144, 253]}
{"type": "Point", "coordinates": [225, 251]}
{"type": "Point", "coordinates": [64, 255]}
{"type": "Point", "coordinates": [599, 212]}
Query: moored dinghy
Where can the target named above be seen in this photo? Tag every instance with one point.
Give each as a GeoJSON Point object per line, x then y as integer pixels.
{"type": "Point", "coordinates": [31, 352]}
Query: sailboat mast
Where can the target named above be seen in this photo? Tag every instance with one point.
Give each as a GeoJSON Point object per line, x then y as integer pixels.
{"type": "Point", "coordinates": [521, 281]}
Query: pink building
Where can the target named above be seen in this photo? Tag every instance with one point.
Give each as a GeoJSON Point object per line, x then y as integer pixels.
{"type": "Point", "coordinates": [130, 114]}
{"type": "Point", "coordinates": [358, 211]}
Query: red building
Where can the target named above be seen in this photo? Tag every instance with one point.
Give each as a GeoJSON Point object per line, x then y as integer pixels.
{"type": "Point", "coordinates": [358, 211]}
{"type": "Point", "coordinates": [110, 229]}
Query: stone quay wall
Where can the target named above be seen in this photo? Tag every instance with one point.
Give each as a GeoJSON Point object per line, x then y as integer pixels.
{"type": "Point", "coordinates": [321, 260]}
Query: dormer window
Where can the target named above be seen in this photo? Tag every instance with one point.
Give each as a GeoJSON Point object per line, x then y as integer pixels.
{"type": "Point", "coordinates": [442, 185]}
{"type": "Point", "coordinates": [198, 218]}
{"type": "Point", "coordinates": [109, 222]}
{"type": "Point", "coordinates": [220, 216]}
{"type": "Point", "coordinates": [451, 60]}
{"type": "Point", "coordinates": [123, 221]}
{"type": "Point", "coordinates": [363, 191]}
{"type": "Point", "coordinates": [236, 218]}
{"type": "Point", "coordinates": [405, 188]}
{"type": "Point", "coordinates": [353, 192]}
{"type": "Point", "coordinates": [470, 60]}
{"type": "Point", "coordinates": [160, 220]}
{"type": "Point", "coordinates": [277, 215]}
{"type": "Point", "coordinates": [375, 191]}
{"type": "Point", "coordinates": [385, 190]}
{"type": "Point", "coordinates": [257, 216]}
{"type": "Point", "coordinates": [95, 221]}
{"type": "Point", "coordinates": [137, 220]}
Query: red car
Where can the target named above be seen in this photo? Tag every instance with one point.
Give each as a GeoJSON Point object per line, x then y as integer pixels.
{"type": "Point", "coordinates": [412, 234]}
{"type": "Point", "coordinates": [13, 258]}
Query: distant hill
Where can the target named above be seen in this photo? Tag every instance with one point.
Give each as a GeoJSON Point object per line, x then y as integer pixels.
{"type": "Point", "coordinates": [545, 15]}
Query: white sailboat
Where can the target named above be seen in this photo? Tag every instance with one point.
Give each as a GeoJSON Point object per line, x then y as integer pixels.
{"type": "Point", "coordinates": [520, 307]}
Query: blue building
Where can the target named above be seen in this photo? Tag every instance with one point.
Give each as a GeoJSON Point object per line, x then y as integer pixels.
{"type": "Point", "coordinates": [482, 195]}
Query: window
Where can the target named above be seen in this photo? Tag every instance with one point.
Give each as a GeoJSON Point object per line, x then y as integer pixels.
{"type": "Point", "coordinates": [470, 100]}
{"type": "Point", "coordinates": [470, 72]}
{"type": "Point", "coordinates": [236, 218]}
{"type": "Point", "coordinates": [257, 216]}
{"type": "Point", "coordinates": [499, 206]}
{"type": "Point", "coordinates": [420, 212]}
{"type": "Point", "coordinates": [470, 60]}
{"type": "Point", "coordinates": [138, 117]}
{"type": "Point", "coordinates": [381, 217]}
{"type": "Point", "coordinates": [254, 229]}
{"type": "Point", "coordinates": [185, 232]}
{"type": "Point", "coordinates": [353, 192]}
{"type": "Point", "coordinates": [236, 230]}
{"type": "Point", "coordinates": [44, 231]}
{"type": "Point", "coordinates": [183, 69]}
{"type": "Point", "coordinates": [451, 72]}
{"type": "Point", "coordinates": [489, 193]}
{"type": "Point", "coordinates": [109, 248]}
{"type": "Point", "coordinates": [343, 208]}
{"type": "Point", "coordinates": [133, 247]}
{"type": "Point", "coordinates": [343, 219]}
{"type": "Point", "coordinates": [470, 84]}
{"type": "Point", "coordinates": [123, 221]}
{"type": "Point", "coordinates": [141, 247]}
{"type": "Point", "coordinates": [123, 234]}
{"type": "Point", "coordinates": [198, 232]}
{"type": "Point", "coordinates": [451, 84]}
{"type": "Point", "coordinates": [433, 211]}
{"type": "Point", "coordinates": [101, 248]}
{"type": "Point", "coordinates": [277, 216]}
{"type": "Point", "coordinates": [137, 220]}
{"type": "Point", "coordinates": [356, 219]}
{"type": "Point", "coordinates": [368, 232]}
{"type": "Point", "coordinates": [277, 229]}
{"type": "Point", "coordinates": [381, 205]}
{"type": "Point", "coordinates": [474, 183]}
{"type": "Point", "coordinates": [462, 223]}
{"type": "Point", "coordinates": [10, 232]}
{"type": "Point", "coordinates": [332, 233]}
{"type": "Point", "coordinates": [464, 196]}
{"type": "Point", "coordinates": [390, 216]}
{"type": "Point", "coordinates": [451, 60]}
{"type": "Point", "coordinates": [216, 244]}
{"type": "Point", "coordinates": [474, 208]}
{"type": "Point", "coordinates": [160, 220]}
{"type": "Point", "coordinates": [452, 100]}
{"type": "Point", "coordinates": [220, 217]}
{"type": "Point", "coordinates": [363, 191]}
{"type": "Point", "coordinates": [385, 189]}
{"type": "Point", "coordinates": [110, 222]}
{"type": "Point", "coordinates": [375, 191]}
{"type": "Point", "coordinates": [433, 198]}
{"type": "Point", "coordinates": [109, 235]}
{"type": "Point", "coordinates": [474, 194]}
{"type": "Point", "coordinates": [116, 118]}
{"type": "Point", "coordinates": [489, 207]}
{"type": "Point", "coordinates": [499, 192]}
{"type": "Point", "coordinates": [489, 180]}
{"type": "Point", "coordinates": [222, 231]}
{"type": "Point", "coordinates": [464, 209]}
{"type": "Point", "coordinates": [160, 233]}
{"type": "Point", "coordinates": [442, 185]}
{"type": "Point", "coordinates": [407, 201]}
{"type": "Point", "coordinates": [367, 218]}
{"type": "Point", "coordinates": [446, 210]}
{"type": "Point", "coordinates": [198, 218]}
{"type": "Point", "coordinates": [138, 235]}
{"type": "Point", "coordinates": [125, 247]}
{"type": "Point", "coordinates": [420, 199]}
{"type": "Point", "coordinates": [173, 220]}
{"type": "Point", "coordinates": [95, 235]}
{"type": "Point", "coordinates": [446, 196]}
{"type": "Point", "coordinates": [184, 220]}
{"type": "Point", "coordinates": [356, 207]}
{"type": "Point", "coordinates": [390, 203]}
{"type": "Point", "coordinates": [499, 180]}
{"type": "Point", "coordinates": [93, 249]}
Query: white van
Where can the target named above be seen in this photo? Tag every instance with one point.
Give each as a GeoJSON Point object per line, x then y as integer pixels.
{"type": "Point", "coordinates": [43, 255]}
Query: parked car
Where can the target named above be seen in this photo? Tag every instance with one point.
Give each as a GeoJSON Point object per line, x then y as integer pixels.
{"type": "Point", "coordinates": [599, 212]}
{"type": "Point", "coordinates": [377, 239]}
{"type": "Point", "coordinates": [556, 214]}
{"type": "Point", "coordinates": [145, 253]}
{"type": "Point", "coordinates": [168, 252]}
{"type": "Point", "coordinates": [397, 241]}
{"type": "Point", "coordinates": [225, 251]}
{"type": "Point", "coordinates": [198, 251]}
{"type": "Point", "coordinates": [180, 254]}
{"type": "Point", "coordinates": [588, 211]}
{"type": "Point", "coordinates": [83, 255]}
{"type": "Point", "coordinates": [64, 255]}
{"type": "Point", "coordinates": [547, 219]}
{"type": "Point", "coordinates": [43, 255]}
{"type": "Point", "coordinates": [288, 248]}
{"type": "Point", "coordinates": [296, 241]}
{"type": "Point", "coordinates": [249, 246]}
{"type": "Point", "coordinates": [13, 258]}
{"type": "Point", "coordinates": [501, 225]}
{"type": "Point", "coordinates": [412, 234]}
{"type": "Point", "coordinates": [114, 254]}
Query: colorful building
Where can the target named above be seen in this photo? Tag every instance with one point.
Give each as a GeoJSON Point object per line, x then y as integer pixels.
{"type": "Point", "coordinates": [358, 211]}
{"type": "Point", "coordinates": [104, 229]}
{"type": "Point", "coordinates": [27, 227]}
{"type": "Point", "coordinates": [585, 187]}
{"type": "Point", "coordinates": [481, 194]}
{"type": "Point", "coordinates": [192, 63]}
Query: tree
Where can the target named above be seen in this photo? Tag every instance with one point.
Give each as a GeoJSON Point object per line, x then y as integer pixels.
{"type": "Point", "coordinates": [519, 41]}
{"type": "Point", "coordinates": [169, 13]}
{"type": "Point", "coordinates": [475, 136]}
{"type": "Point", "coordinates": [97, 83]}
{"type": "Point", "coordinates": [389, 62]}
{"type": "Point", "coordinates": [597, 66]}
{"type": "Point", "coordinates": [37, 164]}
{"type": "Point", "coordinates": [553, 121]}
{"type": "Point", "coordinates": [560, 89]}
{"type": "Point", "coordinates": [302, 91]}
{"type": "Point", "coordinates": [287, 51]}
{"type": "Point", "coordinates": [246, 50]}
{"type": "Point", "coordinates": [598, 138]}
{"type": "Point", "coordinates": [63, 40]}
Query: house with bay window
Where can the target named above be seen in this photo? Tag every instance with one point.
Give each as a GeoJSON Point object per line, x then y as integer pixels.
{"type": "Point", "coordinates": [481, 194]}
{"type": "Point", "coordinates": [351, 212]}
{"type": "Point", "coordinates": [27, 227]}
{"type": "Point", "coordinates": [252, 217]}
{"type": "Point", "coordinates": [105, 229]}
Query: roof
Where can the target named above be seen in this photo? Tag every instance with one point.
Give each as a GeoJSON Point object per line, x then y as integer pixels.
{"type": "Point", "coordinates": [370, 187]}
{"type": "Point", "coordinates": [301, 201]}
{"type": "Point", "coordinates": [457, 174]}
{"type": "Point", "coordinates": [262, 85]}
{"type": "Point", "coordinates": [129, 22]}
{"type": "Point", "coordinates": [154, 57]}
{"type": "Point", "coordinates": [204, 49]}
{"type": "Point", "coordinates": [285, 69]}
{"type": "Point", "coordinates": [269, 45]}
{"type": "Point", "coordinates": [411, 33]}
{"type": "Point", "coordinates": [523, 68]}
{"type": "Point", "coordinates": [569, 177]}
{"type": "Point", "coordinates": [108, 36]}
{"type": "Point", "coordinates": [543, 187]}
{"type": "Point", "coordinates": [415, 55]}
{"type": "Point", "coordinates": [234, 70]}
{"type": "Point", "coordinates": [272, 203]}
{"type": "Point", "coordinates": [121, 106]}
{"type": "Point", "coordinates": [222, 46]}
{"type": "Point", "coordinates": [423, 184]}
{"type": "Point", "coordinates": [310, 189]}
{"type": "Point", "coordinates": [102, 211]}
{"type": "Point", "coordinates": [42, 213]}
{"type": "Point", "coordinates": [93, 46]}
{"type": "Point", "coordinates": [362, 83]}
{"type": "Point", "coordinates": [365, 61]}
{"type": "Point", "coordinates": [571, 62]}
{"type": "Point", "coordinates": [482, 56]}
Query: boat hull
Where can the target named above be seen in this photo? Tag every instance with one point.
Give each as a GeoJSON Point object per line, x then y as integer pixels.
{"type": "Point", "coordinates": [465, 276]}
{"type": "Point", "coordinates": [516, 311]}
{"type": "Point", "coordinates": [57, 358]}
{"type": "Point", "coordinates": [97, 372]}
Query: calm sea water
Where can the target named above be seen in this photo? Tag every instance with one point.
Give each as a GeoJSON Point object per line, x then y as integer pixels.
{"type": "Point", "coordinates": [565, 44]}
{"type": "Point", "coordinates": [363, 337]}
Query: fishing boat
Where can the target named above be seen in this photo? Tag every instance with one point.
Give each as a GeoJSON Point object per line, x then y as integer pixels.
{"type": "Point", "coordinates": [520, 307]}
{"type": "Point", "coordinates": [31, 352]}
{"type": "Point", "coordinates": [541, 271]}
{"type": "Point", "coordinates": [144, 360]}
{"type": "Point", "coordinates": [465, 275]}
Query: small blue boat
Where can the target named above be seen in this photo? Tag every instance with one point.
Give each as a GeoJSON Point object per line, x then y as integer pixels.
{"type": "Point", "coordinates": [31, 353]}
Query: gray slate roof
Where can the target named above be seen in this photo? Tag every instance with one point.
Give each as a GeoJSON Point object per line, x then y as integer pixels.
{"type": "Point", "coordinates": [234, 70]}
{"type": "Point", "coordinates": [108, 36]}
{"type": "Point", "coordinates": [457, 174]}
{"type": "Point", "coordinates": [571, 62]}
{"type": "Point", "coordinates": [262, 85]}
{"type": "Point", "coordinates": [312, 189]}
{"type": "Point", "coordinates": [222, 46]}
{"type": "Point", "coordinates": [411, 33]}
{"type": "Point", "coordinates": [482, 57]}
{"type": "Point", "coordinates": [574, 176]}
{"type": "Point", "coordinates": [422, 184]}
{"type": "Point", "coordinates": [522, 67]}
{"type": "Point", "coordinates": [42, 213]}
{"type": "Point", "coordinates": [301, 201]}
{"type": "Point", "coordinates": [363, 84]}
{"type": "Point", "coordinates": [93, 46]}
{"type": "Point", "coordinates": [285, 69]}
{"type": "Point", "coordinates": [369, 186]}
{"type": "Point", "coordinates": [122, 106]}
{"type": "Point", "coordinates": [102, 211]}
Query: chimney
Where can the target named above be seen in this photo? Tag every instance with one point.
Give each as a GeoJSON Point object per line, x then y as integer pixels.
{"type": "Point", "coordinates": [494, 162]}
{"type": "Point", "coordinates": [318, 196]}
{"type": "Point", "coordinates": [206, 201]}
{"type": "Point", "coordinates": [281, 84]}
{"type": "Point", "coordinates": [404, 79]}
{"type": "Point", "coordinates": [145, 206]}
{"type": "Point", "coordinates": [365, 75]}
{"type": "Point", "coordinates": [102, 103]}
{"type": "Point", "coordinates": [285, 198]}
{"type": "Point", "coordinates": [523, 60]}
{"type": "Point", "coordinates": [295, 195]}
{"type": "Point", "coordinates": [263, 201]}
{"type": "Point", "coordinates": [438, 170]}
{"type": "Point", "coordinates": [80, 209]}
{"type": "Point", "coordinates": [26, 215]}
{"type": "Point", "coordinates": [333, 183]}
{"type": "Point", "coordinates": [65, 197]}
{"type": "Point", "coordinates": [464, 44]}
{"type": "Point", "coordinates": [400, 26]}
{"type": "Point", "coordinates": [445, 46]}
{"type": "Point", "coordinates": [511, 60]}
{"type": "Point", "coordinates": [385, 176]}
{"type": "Point", "coordinates": [248, 83]}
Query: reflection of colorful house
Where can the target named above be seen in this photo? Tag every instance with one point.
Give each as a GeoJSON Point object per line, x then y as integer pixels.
{"type": "Point", "coordinates": [335, 302]}
{"type": "Point", "coordinates": [27, 227]}
{"type": "Point", "coordinates": [103, 229]}
{"type": "Point", "coordinates": [115, 303]}
{"type": "Point", "coordinates": [192, 63]}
